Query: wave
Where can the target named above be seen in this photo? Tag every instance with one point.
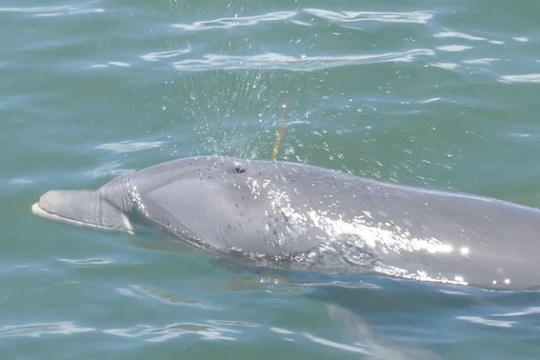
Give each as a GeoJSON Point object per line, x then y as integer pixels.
{"type": "Point", "coordinates": [60, 10]}
{"type": "Point", "coordinates": [525, 78]}
{"type": "Point", "coordinates": [418, 17]}
{"type": "Point", "coordinates": [39, 329]}
{"type": "Point", "coordinates": [230, 22]}
{"type": "Point", "coordinates": [294, 63]}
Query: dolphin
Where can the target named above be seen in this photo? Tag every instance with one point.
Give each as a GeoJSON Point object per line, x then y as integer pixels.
{"type": "Point", "coordinates": [302, 216]}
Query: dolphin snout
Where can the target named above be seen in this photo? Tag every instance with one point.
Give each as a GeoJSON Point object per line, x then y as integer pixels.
{"type": "Point", "coordinates": [83, 208]}
{"type": "Point", "coordinates": [49, 202]}
{"type": "Point", "coordinates": [67, 205]}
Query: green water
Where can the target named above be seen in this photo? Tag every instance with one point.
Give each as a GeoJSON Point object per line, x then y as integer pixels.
{"type": "Point", "coordinates": [430, 93]}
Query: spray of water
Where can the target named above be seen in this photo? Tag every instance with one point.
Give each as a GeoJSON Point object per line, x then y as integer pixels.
{"type": "Point", "coordinates": [237, 113]}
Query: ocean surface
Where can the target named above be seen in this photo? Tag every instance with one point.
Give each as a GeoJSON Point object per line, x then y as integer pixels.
{"type": "Point", "coordinates": [437, 94]}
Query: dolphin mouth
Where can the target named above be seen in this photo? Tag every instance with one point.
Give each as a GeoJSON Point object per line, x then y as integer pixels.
{"type": "Point", "coordinates": [39, 211]}
{"type": "Point", "coordinates": [81, 208]}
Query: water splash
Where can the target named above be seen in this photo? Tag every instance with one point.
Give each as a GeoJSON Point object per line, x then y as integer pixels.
{"type": "Point", "coordinates": [238, 112]}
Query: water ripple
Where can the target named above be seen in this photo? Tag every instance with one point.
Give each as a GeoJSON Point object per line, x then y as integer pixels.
{"type": "Point", "coordinates": [39, 329]}
{"type": "Point", "coordinates": [525, 78]}
{"type": "Point", "coordinates": [281, 331]}
{"type": "Point", "coordinates": [461, 35]}
{"type": "Point", "coordinates": [293, 63]}
{"type": "Point", "coordinates": [534, 310]}
{"type": "Point", "coordinates": [129, 146]}
{"type": "Point", "coordinates": [488, 322]}
{"type": "Point", "coordinates": [171, 331]}
{"type": "Point", "coordinates": [365, 341]}
{"type": "Point", "coordinates": [61, 10]}
{"type": "Point", "coordinates": [87, 262]}
{"type": "Point", "coordinates": [112, 168]}
{"type": "Point", "coordinates": [21, 181]}
{"type": "Point", "coordinates": [333, 344]}
{"type": "Point", "coordinates": [445, 65]}
{"type": "Point", "coordinates": [236, 21]}
{"type": "Point", "coordinates": [156, 56]}
{"type": "Point", "coordinates": [418, 17]}
{"type": "Point", "coordinates": [110, 63]}
{"type": "Point", "coordinates": [481, 61]}
{"type": "Point", "coordinates": [453, 48]}
{"type": "Point", "coordinates": [162, 296]}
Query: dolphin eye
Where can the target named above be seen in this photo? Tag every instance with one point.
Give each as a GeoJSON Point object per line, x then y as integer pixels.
{"type": "Point", "coordinates": [238, 168]}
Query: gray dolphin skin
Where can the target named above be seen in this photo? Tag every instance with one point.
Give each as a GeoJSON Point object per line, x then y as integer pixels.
{"type": "Point", "coordinates": [313, 218]}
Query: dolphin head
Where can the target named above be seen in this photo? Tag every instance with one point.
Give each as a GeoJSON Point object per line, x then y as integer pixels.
{"type": "Point", "coordinates": [219, 202]}
{"type": "Point", "coordinates": [227, 203]}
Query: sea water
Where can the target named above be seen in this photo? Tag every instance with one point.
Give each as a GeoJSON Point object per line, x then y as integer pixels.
{"type": "Point", "coordinates": [438, 94]}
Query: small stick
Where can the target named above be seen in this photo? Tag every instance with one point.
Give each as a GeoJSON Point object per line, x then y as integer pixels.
{"type": "Point", "coordinates": [281, 131]}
